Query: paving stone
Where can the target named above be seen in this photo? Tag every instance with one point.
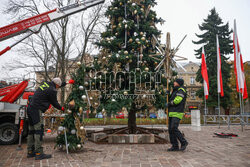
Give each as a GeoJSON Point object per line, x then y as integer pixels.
{"type": "Point", "coordinates": [203, 150]}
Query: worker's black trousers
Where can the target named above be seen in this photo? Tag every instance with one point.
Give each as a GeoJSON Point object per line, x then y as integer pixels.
{"type": "Point", "coordinates": [174, 132]}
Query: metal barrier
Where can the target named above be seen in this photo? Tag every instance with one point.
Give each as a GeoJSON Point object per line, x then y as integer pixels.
{"type": "Point", "coordinates": [228, 119]}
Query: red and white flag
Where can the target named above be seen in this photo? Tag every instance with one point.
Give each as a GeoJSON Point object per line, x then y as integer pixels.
{"type": "Point", "coordinates": [204, 74]}
{"type": "Point", "coordinates": [219, 75]}
{"type": "Point", "coordinates": [238, 66]}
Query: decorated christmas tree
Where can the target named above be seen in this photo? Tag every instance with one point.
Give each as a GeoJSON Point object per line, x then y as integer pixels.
{"type": "Point", "coordinates": [128, 59]}
{"type": "Point", "coordinates": [72, 129]}
{"type": "Point", "coordinates": [123, 74]}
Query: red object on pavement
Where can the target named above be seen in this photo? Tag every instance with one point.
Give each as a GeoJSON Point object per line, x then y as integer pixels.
{"type": "Point", "coordinates": [120, 115]}
{"type": "Point", "coordinates": [71, 81]}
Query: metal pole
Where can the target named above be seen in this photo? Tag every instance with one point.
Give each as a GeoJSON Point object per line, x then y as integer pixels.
{"type": "Point", "coordinates": [205, 111]}
{"type": "Point", "coordinates": [240, 112]}
{"type": "Point", "coordinates": [219, 108]}
{"type": "Point", "coordinates": [66, 141]}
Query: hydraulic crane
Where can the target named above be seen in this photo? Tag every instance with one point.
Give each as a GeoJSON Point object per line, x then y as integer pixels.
{"type": "Point", "coordinates": [34, 24]}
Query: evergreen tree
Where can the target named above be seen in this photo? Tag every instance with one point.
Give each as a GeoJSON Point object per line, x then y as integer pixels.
{"type": "Point", "coordinates": [126, 50]}
{"type": "Point", "coordinates": [127, 46]}
{"type": "Point", "coordinates": [73, 123]}
{"type": "Point", "coordinates": [211, 26]}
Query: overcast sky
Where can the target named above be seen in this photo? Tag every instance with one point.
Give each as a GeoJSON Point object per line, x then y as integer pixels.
{"type": "Point", "coordinates": [182, 17]}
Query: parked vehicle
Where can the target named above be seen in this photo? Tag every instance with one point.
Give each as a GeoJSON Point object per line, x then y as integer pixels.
{"type": "Point", "coordinates": [120, 115]}
{"type": "Point", "coordinates": [13, 102]}
{"type": "Point", "coordinates": [141, 115]}
{"type": "Point", "coordinates": [99, 115]}
{"type": "Point", "coordinates": [187, 115]}
{"type": "Point", "coordinates": [152, 115]}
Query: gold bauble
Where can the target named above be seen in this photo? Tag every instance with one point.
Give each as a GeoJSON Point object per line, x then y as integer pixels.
{"type": "Point", "coordinates": [143, 38]}
{"type": "Point", "coordinates": [125, 52]}
{"type": "Point", "coordinates": [141, 33]}
{"type": "Point", "coordinates": [104, 58]}
{"type": "Point", "coordinates": [114, 26]}
{"type": "Point", "coordinates": [109, 56]}
{"type": "Point", "coordinates": [135, 11]}
{"type": "Point", "coordinates": [163, 75]}
{"type": "Point", "coordinates": [80, 110]}
{"type": "Point", "coordinates": [120, 25]}
{"type": "Point", "coordinates": [126, 57]}
{"type": "Point", "coordinates": [139, 42]}
{"type": "Point", "coordinates": [120, 3]}
{"type": "Point", "coordinates": [79, 63]}
{"type": "Point", "coordinates": [130, 40]}
{"type": "Point", "coordinates": [146, 69]}
{"type": "Point", "coordinates": [155, 63]}
{"type": "Point", "coordinates": [142, 9]}
{"type": "Point", "coordinates": [91, 98]}
{"type": "Point", "coordinates": [125, 93]}
{"type": "Point", "coordinates": [130, 61]}
{"type": "Point", "coordinates": [72, 103]}
{"type": "Point", "coordinates": [116, 34]}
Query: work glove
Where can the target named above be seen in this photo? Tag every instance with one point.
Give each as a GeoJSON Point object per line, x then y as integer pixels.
{"type": "Point", "coordinates": [62, 109]}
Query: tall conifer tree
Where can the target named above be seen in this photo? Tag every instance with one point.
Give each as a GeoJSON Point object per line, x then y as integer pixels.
{"type": "Point", "coordinates": [211, 26]}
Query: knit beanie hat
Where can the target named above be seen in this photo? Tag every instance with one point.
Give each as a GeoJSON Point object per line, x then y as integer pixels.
{"type": "Point", "coordinates": [57, 81]}
{"type": "Point", "coordinates": [180, 81]}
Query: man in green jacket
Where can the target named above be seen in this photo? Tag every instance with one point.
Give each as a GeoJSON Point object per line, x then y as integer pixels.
{"type": "Point", "coordinates": [176, 107]}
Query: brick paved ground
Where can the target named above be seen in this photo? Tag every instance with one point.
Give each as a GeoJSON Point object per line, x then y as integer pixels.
{"type": "Point", "coordinates": [204, 150]}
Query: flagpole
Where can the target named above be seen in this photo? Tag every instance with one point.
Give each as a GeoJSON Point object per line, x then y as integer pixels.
{"type": "Point", "coordinates": [219, 108]}
{"type": "Point", "coordinates": [241, 109]}
{"type": "Point", "coordinates": [205, 100]}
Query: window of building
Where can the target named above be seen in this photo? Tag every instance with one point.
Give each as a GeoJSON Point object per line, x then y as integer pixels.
{"type": "Point", "coordinates": [193, 94]}
{"type": "Point", "coordinates": [192, 81]}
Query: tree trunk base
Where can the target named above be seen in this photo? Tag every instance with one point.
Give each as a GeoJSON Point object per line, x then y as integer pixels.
{"type": "Point", "coordinates": [137, 131]}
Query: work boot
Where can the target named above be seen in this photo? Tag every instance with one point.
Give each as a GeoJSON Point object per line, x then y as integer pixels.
{"type": "Point", "coordinates": [31, 154]}
{"type": "Point", "coordinates": [173, 149]}
{"type": "Point", "coordinates": [40, 156]}
{"type": "Point", "coordinates": [183, 146]}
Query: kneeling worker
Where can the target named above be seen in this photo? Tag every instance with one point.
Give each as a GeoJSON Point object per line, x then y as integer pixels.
{"type": "Point", "coordinates": [45, 95]}
{"type": "Point", "coordinates": [176, 111]}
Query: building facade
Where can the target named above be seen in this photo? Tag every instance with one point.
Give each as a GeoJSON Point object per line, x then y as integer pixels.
{"type": "Point", "coordinates": [190, 83]}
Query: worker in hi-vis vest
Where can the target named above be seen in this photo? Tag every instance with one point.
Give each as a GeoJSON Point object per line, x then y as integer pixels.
{"type": "Point", "coordinates": [176, 105]}
{"type": "Point", "coordinates": [45, 95]}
